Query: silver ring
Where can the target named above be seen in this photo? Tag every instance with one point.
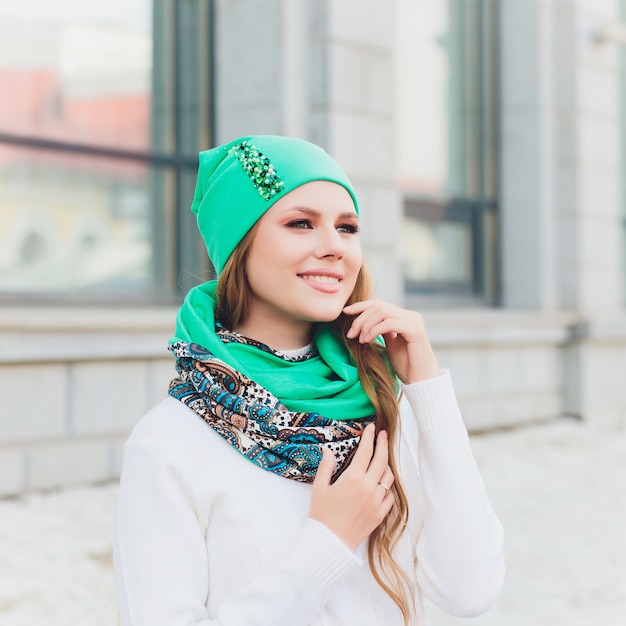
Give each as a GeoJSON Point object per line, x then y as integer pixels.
{"type": "Point", "coordinates": [384, 487]}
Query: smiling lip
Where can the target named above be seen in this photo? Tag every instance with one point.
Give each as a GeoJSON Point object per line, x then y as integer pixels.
{"type": "Point", "coordinates": [322, 280]}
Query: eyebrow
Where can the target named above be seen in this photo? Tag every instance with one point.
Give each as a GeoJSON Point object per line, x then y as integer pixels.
{"type": "Point", "coordinates": [313, 213]}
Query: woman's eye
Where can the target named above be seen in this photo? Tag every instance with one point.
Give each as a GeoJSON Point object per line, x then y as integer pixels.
{"type": "Point", "coordinates": [351, 229]}
{"type": "Point", "coordinates": [300, 224]}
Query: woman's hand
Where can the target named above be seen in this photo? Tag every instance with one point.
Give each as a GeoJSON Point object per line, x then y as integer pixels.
{"type": "Point", "coordinates": [360, 498]}
{"type": "Point", "coordinates": [408, 347]}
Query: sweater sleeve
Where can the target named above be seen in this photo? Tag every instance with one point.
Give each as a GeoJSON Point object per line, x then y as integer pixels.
{"type": "Point", "coordinates": [161, 560]}
{"type": "Point", "coordinates": [460, 563]}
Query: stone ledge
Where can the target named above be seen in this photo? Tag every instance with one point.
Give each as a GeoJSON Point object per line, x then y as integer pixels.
{"type": "Point", "coordinates": [610, 329]}
{"type": "Point", "coordinates": [66, 346]}
{"type": "Point", "coordinates": [50, 334]}
{"type": "Point", "coordinates": [498, 328]}
{"type": "Point", "coordinates": [59, 334]}
{"type": "Point", "coordinates": [76, 318]}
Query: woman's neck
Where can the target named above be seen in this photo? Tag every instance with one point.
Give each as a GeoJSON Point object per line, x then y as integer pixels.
{"type": "Point", "coordinates": [283, 336]}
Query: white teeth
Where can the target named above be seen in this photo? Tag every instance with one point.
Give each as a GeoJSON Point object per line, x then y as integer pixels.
{"type": "Point", "coordinates": [321, 279]}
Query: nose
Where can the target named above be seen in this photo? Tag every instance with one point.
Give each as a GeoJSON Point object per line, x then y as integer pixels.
{"type": "Point", "coordinates": [330, 243]}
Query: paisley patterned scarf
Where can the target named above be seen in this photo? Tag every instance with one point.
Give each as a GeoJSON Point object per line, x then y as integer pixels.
{"type": "Point", "coordinates": [253, 420]}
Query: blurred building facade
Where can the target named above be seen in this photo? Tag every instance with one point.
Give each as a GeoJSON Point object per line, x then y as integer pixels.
{"type": "Point", "coordinates": [485, 139]}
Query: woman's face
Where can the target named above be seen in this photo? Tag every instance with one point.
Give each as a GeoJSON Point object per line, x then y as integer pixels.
{"type": "Point", "coordinates": [304, 258]}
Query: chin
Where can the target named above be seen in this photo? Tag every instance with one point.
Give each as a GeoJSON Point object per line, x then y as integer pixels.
{"type": "Point", "coordinates": [324, 316]}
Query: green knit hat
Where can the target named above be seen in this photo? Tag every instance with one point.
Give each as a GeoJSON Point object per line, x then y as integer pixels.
{"type": "Point", "coordinates": [239, 181]}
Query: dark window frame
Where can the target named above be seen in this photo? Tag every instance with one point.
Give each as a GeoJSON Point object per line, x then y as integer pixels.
{"type": "Point", "coordinates": [460, 211]}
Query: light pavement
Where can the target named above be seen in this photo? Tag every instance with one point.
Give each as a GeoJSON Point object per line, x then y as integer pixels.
{"type": "Point", "coordinates": [559, 489]}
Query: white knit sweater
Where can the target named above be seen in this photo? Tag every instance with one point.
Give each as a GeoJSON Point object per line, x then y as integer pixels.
{"type": "Point", "coordinates": [205, 537]}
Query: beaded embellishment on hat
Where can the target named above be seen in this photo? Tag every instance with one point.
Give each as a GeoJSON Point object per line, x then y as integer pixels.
{"type": "Point", "coordinates": [259, 169]}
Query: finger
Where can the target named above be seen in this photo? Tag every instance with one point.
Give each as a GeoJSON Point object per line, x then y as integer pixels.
{"type": "Point", "coordinates": [325, 469]}
{"type": "Point", "coordinates": [362, 324]}
{"type": "Point", "coordinates": [363, 455]}
{"type": "Point", "coordinates": [362, 311]}
{"type": "Point", "coordinates": [380, 459]}
{"type": "Point", "coordinates": [387, 502]}
{"type": "Point", "coordinates": [387, 479]}
{"type": "Point", "coordinates": [356, 328]}
{"type": "Point", "coordinates": [386, 326]}
{"type": "Point", "coordinates": [357, 307]}
{"type": "Point", "coordinates": [377, 319]}
{"type": "Point", "coordinates": [389, 337]}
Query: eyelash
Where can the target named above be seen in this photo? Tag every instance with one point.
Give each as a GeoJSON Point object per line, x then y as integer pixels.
{"type": "Point", "coordinates": [351, 229]}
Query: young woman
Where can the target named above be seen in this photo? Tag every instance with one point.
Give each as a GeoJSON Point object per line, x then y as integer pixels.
{"type": "Point", "coordinates": [310, 465]}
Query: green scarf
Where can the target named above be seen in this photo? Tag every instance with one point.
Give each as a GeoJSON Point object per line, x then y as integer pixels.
{"type": "Point", "coordinates": [327, 384]}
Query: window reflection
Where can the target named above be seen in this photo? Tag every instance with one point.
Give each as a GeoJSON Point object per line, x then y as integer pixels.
{"type": "Point", "coordinates": [72, 224]}
{"type": "Point", "coordinates": [438, 252]}
{"type": "Point", "coordinates": [79, 74]}
{"type": "Point", "coordinates": [421, 96]}
{"type": "Point", "coordinates": [77, 71]}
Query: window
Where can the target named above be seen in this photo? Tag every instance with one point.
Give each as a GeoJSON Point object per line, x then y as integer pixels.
{"type": "Point", "coordinates": [447, 147]}
{"type": "Point", "coordinates": [99, 135]}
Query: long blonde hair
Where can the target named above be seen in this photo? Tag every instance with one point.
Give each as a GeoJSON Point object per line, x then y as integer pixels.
{"type": "Point", "coordinates": [378, 381]}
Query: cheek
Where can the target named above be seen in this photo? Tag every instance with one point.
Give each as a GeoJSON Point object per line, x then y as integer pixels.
{"type": "Point", "coordinates": [277, 244]}
{"type": "Point", "coordinates": [354, 262]}
{"type": "Point", "coordinates": [265, 251]}
{"type": "Point", "coordinates": [354, 268]}
{"type": "Point", "coordinates": [354, 257]}
{"type": "Point", "coordinates": [268, 263]}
